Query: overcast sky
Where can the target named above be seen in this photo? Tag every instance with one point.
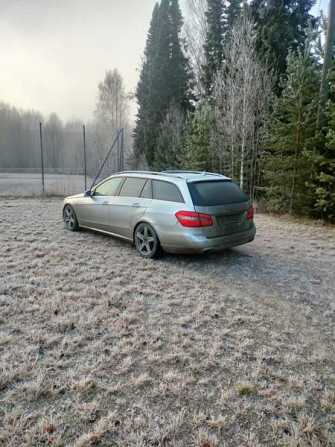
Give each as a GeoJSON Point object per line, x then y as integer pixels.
{"type": "Point", "coordinates": [55, 52]}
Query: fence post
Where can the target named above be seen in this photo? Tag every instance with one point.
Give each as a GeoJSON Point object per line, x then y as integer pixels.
{"type": "Point", "coordinates": [85, 168]}
{"type": "Point", "coordinates": [118, 156]}
{"type": "Point", "coordinates": [122, 150]}
{"type": "Point", "coordinates": [42, 162]}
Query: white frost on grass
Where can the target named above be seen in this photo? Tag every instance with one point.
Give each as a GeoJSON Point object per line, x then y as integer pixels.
{"type": "Point", "coordinates": [101, 347]}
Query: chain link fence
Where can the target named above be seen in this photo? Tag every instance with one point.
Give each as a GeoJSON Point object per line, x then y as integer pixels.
{"type": "Point", "coordinates": [67, 156]}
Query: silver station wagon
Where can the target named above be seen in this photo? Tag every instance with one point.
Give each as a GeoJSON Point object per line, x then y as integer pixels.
{"type": "Point", "coordinates": [174, 211]}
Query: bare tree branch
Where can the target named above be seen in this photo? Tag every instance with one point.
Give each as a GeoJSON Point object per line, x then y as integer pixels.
{"type": "Point", "coordinates": [241, 92]}
{"type": "Point", "coordinates": [195, 30]}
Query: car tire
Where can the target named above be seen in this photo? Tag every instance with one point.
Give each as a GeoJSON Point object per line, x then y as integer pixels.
{"type": "Point", "coordinates": [146, 241]}
{"type": "Point", "coordinates": [70, 218]}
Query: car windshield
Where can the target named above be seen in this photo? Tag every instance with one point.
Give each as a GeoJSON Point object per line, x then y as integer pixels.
{"type": "Point", "coordinates": [215, 193]}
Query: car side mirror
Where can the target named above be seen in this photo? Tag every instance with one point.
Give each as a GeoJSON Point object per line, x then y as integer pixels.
{"type": "Point", "coordinates": [88, 193]}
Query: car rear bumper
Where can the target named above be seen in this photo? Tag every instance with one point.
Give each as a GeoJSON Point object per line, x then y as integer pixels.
{"type": "Point", "coordinates": [197, 243]}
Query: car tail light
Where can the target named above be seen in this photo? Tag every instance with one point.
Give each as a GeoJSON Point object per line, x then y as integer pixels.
{"type": "Point", "coordinates": [191, 219]}
{"type": "Point", "coordinates": [250, 212]}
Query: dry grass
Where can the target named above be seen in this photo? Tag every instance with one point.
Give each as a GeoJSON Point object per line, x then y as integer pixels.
{"type": "Point", "coordinates": [100, 347]}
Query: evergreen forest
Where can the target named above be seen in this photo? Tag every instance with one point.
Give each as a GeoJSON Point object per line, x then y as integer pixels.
{"type": "Point", "coordinates": [246, 90]}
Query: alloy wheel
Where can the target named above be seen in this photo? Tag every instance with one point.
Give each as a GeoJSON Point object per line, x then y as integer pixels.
{"type": "Point", "coordinates": [146, 241]}
{"type": "Point", "coordinates": [70, 218]}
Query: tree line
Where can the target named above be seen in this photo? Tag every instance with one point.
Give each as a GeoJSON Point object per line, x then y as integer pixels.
{"type": "Point", "coordinates": [63, 142]}
{"type": "Point", "coordinates": [238, 90]}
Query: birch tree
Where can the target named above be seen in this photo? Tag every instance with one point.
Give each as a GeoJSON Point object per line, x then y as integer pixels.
{"type": "Point", "coordinates": [196, 30]}
{"type": "Point", "coordinates": [113, 101]}
{"type": "Point", "coordinates": [111, 115]}
{"type": "Point", "coordinates": [241, 91]}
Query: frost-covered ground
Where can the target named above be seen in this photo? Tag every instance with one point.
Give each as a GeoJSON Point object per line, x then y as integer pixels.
{"type": "Point", "coordinates": [17, 184]}
{"type": "Point", "coordinates": [101, 347]}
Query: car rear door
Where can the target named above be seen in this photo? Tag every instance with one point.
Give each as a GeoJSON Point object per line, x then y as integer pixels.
{"type": "Point", "coordinates": [225, 202]}
{"type": "Point", "coordinates": [133, 199]}
{"type": "Point", "coordinates": [167, 200]}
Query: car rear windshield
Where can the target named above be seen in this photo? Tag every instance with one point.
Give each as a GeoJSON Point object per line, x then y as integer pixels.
{"type": "Point", "coordinates": [216, 192]}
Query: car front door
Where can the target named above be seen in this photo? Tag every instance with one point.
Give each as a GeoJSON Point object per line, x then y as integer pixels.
{"type": "Point", "coordinates": [133, 199]}
{"type": "Point", "coordinates": [94, 211]}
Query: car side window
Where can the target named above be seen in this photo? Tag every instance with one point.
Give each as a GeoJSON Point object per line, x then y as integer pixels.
{"type": "Point", "coordinates": [109, 187]}
{"type": "Point", "coordinates": [132, 187]}
{"type": "Point", "coordinates": [147, 191]}
{"type": "Point", "coordinates": [166, 191]}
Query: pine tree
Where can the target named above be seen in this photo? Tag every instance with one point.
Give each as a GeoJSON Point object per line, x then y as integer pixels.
{"type": "Point", "coordinates": [180, 76]}
{"type": "Point", "coordinates": [147, 94]}
{"type": "Point", "coordinates": [281, 26]}
{"type": "Point", "coordinates": [323, 175]}
{"type": "Point", "coordinates": [197, 139]}
{"type": "Point", "coordinates": [221, 16]}
{"type": "Point", "coordinates": [232, 13]}
{"type": "Point", "coordinates": [214, 42]}
{"type": "Point", "coordinates": [168, 144]}
{"type": "Point", "coordinates": [165, 77]}
{"type": "Point", "coordinates": [290, 136]}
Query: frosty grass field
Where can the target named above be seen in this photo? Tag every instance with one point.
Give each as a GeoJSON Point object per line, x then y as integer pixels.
{"type": "Point", "coordinates": [101, 347]}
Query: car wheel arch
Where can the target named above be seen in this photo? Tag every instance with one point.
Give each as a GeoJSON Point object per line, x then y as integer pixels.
{"type": "Point", "coordinates": [145, 221]}
{"type": "Point", "coordinates": [74, 209]}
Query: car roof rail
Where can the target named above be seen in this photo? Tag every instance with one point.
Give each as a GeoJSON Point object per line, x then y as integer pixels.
{"type": "Point", "coordinates": [173, 173]}
{"type": "Point", "coordinates": [194, 172]}
{"type": "Point", "coordinates": [170, 174]}
{"type": "Point", "coordinates": [181, 171]}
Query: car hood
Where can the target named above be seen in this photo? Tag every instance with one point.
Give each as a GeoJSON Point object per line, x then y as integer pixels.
{"type": "Point", "coordinates": [76, 196]}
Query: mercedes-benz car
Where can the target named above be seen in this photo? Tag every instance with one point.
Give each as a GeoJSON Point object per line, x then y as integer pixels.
{"type": "Point", "coordinates": [172, 211]}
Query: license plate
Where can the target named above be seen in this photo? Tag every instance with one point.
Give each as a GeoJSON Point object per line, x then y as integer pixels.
{"type": "Point", "coordinates": [229, 220]}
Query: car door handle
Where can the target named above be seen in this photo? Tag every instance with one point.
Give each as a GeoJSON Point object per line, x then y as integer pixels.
{"type": "Point", "coordinates": [136, 204]}
{"type": "Point", "coordinates": [105, 203]}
